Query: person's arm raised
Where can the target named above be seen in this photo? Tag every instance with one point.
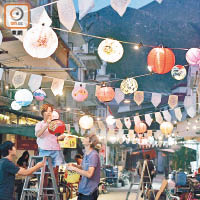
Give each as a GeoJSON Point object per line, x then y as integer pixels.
{"type": "Point", "coordinates": [29, 171]}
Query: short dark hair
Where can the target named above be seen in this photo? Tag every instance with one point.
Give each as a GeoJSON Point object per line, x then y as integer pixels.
{"type": "Point", "coordinates": [5, 147]}
{"type": "Point", "coordinates": [78, 156]}
{"type": "Point", "coordinates": [147, 156]}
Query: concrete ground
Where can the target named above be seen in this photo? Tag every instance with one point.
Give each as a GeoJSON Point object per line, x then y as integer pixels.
{"type": "Point", "coordinates": [120, 193]}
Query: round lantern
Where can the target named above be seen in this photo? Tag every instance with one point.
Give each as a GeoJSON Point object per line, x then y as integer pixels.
{"type": "Point", "coordinates": [40, 41]}
{"type": "Point", "coordinates": [110, 120]}
{"type": "Point", "coordinates": [86, 122]}
{"type": "Point", "coordinates": [79, 94]}
{"type": "Point", "coordinates": [129, 86]}
{"type": "Point", "coordinates": [39, 95]}
{"type": "Point", "coordinates": [140, 128]}
{"type": "Point", "coordinates": [55, 115]}
{"type": "Point", "coordinates": [1, 37]}
{"type": "Point", "coordinates": [178, 72]}
{"type": "Point", "coordinates": [166, 128]}
{"type": "Point", "coordinates": [23, 97]}
{"type": "Point", "coordinates": [105, 94]}
{"type": "Point", "coordinates": [15, 106]}
{"type": "Point", "coordinates": [56, 127]}
{"type": "Point", "coordinates": [110, 50]}
{"type": "Point", "coordinates": [193, 56]}
{"type": "Point", "coordinates": [161, 60]}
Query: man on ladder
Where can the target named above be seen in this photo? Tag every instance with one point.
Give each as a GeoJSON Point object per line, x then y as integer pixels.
{"type": "Point", "coordinates": [147, 175]}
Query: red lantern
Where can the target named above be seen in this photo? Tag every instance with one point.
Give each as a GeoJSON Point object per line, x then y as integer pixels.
{"type": "Point", "coordinates": [56, 127]}
{"type": "Point", "coordinates": [193, 56]}
{"type": "Point", "coordinates": [161, 60]}
{"type": "Point", "coordinates": [105, 94]}
{"type": "Point", "coordinates": [79, 94]}
{"type": "Point", "coordinates": [140, 128]}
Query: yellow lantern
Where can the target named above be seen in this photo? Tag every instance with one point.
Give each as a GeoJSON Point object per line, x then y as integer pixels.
{"type": "Point", "coordinates": [166, 128]}
{"type": "Point", "coordinates": [129, 86]}
{"type": "Point", "coordinates": [86, 122]}
{"type": "Point", "coordinates": [110, 50]}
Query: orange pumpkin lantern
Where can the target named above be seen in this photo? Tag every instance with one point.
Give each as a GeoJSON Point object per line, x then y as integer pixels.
{"type": "Point", "coordinates": [140, 128]}
{"type": "Point", "coordinates": [161, 60]}
{"type": "Point", "coordinates": [105, 94]}
{"type": "Point", "coordinates": [166, 128]}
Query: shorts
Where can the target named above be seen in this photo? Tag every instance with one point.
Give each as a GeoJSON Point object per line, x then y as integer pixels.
{"type": "Point", "coordinates": [56, 156]}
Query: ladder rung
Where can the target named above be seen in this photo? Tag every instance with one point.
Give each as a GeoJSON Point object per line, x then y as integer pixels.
{"type": "Point", "coordinates": [48, 188]}
{"type": "Point", "coordinates": [31, 189]}
{"type": "Point", "coordinates": [41, 173]}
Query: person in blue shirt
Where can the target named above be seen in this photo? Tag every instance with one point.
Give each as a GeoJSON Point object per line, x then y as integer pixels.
{"type": "Point", "coordinates": [89, 169]}
{"type": "Point", "coordinates": [8, 170]}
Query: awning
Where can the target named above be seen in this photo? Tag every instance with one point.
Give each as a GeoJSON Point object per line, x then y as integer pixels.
{"type": "Point", "coordinates": [23, 130]}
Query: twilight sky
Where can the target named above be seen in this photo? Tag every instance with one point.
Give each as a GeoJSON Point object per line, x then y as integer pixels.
{"type": "Point", "coordinates": [103, 3]}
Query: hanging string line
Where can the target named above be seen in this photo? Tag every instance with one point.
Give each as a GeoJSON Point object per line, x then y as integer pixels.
{"type": "Point", "coordinates": [99, 37]}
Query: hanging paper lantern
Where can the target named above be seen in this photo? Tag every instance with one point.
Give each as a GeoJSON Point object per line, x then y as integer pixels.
{"type": "Point", "coordinates": [55, 115]}
{"type": "Point", "coordinates": [56, 127]}
{"type": "Point", "coordinates": [129, 86]}
{"type": "Point", "coordinates": [161, 60]}
{"type": "Point", "coordinates": [193, 56]}
{"type": "Point", "coordinates": [86, 122]}
{"type": "Point", "coordinates": [178, 72]}
{"type": "Point", "coordinates": [166, 128]}
{"type": "Point", "coordinates": [110, 120]}
{"type": "Point", "coordinates": [79, 93]}
{"type": "Point", "coordinates": [110, 50]}
{"type": "Point", "coordinates": [140, 128]}
{"type": "Point", "coordinates": [105, 94]}
{"type": "Point", "coordinates": [40, 41]}
{"type": "Point", "coordinates": [39, 95]}
{"type": "Point", "coordinates": [15, 106]}
{"type": "Point", "coordinates": [23, 97]}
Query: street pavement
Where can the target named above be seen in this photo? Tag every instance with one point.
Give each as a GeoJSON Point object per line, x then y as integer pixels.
{"type": "Point", "coordinates": [120, 193]}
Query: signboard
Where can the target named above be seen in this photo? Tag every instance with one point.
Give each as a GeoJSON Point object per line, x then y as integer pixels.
{"type": "Point", "coordinates": [26, 143]}
{"type": "Point", "coordinates": [70, 142]}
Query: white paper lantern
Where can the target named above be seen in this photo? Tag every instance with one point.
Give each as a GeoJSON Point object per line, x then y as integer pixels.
{"type": "Point", "coordinates": [86, 122]}
{"type": "Point", "coordinates": [129, 86]}
{"type": "Point", "coordinates": [40, 41]}
{"type": "Point", "coordinates": [23, 97]}
{"type": "Point", "coordinates": [110, 50]}
{"type": "Point", "coordinates": [15, 106]}
{"type": "Point", "coordinates": [110, 120]}
{"type": "Point", "coordinates": [1, 37]}
{"type": "Point", "coordinates": [178, 72]}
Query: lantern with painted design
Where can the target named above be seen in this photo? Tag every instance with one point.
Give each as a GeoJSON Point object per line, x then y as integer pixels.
{"type": "Point", "coordinates": [23, 97]}
{"type": "Point", "coordinates": [79, 93]}
{"type": "Point", "coordinates": [178, 72]}
{"type": "Point", "coordinates": [161, 60]}
{"type": "Point", "coordinates": [86, 122]}
{"type": "Point", "coordinates": [39, 95]}
{"type": "Point", "coordinates": [140, 128]}
{"type": "Point", "coordinates": [110, 50]}
{"type": "Point", "coordinates": [166, 128]}
{"type": "Point", "coordinates": [56, 127]}
{"type": "Point", "coordinates": [105, 94]}
{"type": "Point", "coordinates": [40, 41]}
{"type": "Point", "coordinates": [193, 56]}
{"type": "Point", "coordinates": [129, 86]}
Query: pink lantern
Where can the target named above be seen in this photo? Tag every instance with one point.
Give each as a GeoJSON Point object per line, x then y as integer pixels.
{"type": "Point", "coordinates": [193, 56]}
{"type": "Point", "coordinates": [39, 95]}
{"type": "Point", "coordinates": [79, 93]}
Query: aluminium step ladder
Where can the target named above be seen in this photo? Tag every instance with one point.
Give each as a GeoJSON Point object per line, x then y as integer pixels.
{"type": "Point", "coordinates": [39, 189]}
{"type": "Point", "coordinates": [141, 185]}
